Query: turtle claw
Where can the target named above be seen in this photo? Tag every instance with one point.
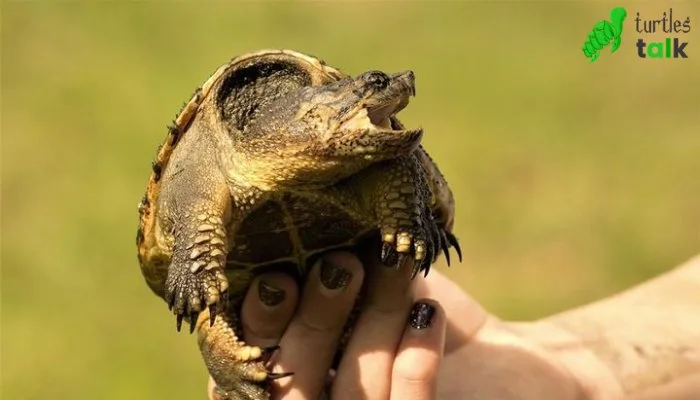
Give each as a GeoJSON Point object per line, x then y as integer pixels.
{"type": "Point", "coordinates": [278, 375]}
{"type": "Point", "coordinates": [444, 246]}
{"type": "Point", "coordinates": [212, 314]}
{"type": "Point", "coordinates": [389, 256]}
{"type": "Point", "coordinates": [454, 243]}
{"type": "Point", "coordinates": [403, 258]}
{"type": "Point", "coordinates": [196, 281]}
{"type": "Point", "coordinates": [416, 269]}
{"type": "Point", "coordinates": [387, 250]}
{"type": "Point", "coordinates": [268, 351]}
{"type": "Point", "coordinates": [193, 321]}
{"type": "Point", "coordinates": [196, 277]}
{"type": "Point", "coordinates": [407, 248]}
{"type": "Point", "coordinates": [179, 322]}
{"type": "Point", "coordinates": [189, 293]}
{"type": "Point", "coordinates": [424, 247]}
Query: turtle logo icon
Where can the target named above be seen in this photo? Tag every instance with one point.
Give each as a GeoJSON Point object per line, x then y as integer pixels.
{"type": "Point", "coordinates": [605, 32]}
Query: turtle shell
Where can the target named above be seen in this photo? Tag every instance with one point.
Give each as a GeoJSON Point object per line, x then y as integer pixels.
{"type": "Point", "coordinates": [313, 71]}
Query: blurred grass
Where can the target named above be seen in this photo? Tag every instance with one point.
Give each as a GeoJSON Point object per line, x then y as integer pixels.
{"type": "Point", "coordinates": [573, 180]}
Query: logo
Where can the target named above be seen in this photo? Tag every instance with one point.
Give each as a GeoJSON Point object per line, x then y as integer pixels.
{"type": "Point", "coordinates": [604, 33]}
{"type": "Point", "coordinates": [670, 47]}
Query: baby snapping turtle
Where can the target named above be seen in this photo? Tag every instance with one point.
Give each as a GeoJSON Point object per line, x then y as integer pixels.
{"type": "Point", "coordinates": [275, 160]}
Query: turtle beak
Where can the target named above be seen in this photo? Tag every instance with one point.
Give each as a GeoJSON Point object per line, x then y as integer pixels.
{"type": "Point", "coordinates": [407, 80]}
{"type": "Point", "coordinates": [401, 88]}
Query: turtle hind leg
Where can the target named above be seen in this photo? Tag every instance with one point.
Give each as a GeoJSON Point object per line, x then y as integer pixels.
{"type": "Point", "coordinates": [240, 371]}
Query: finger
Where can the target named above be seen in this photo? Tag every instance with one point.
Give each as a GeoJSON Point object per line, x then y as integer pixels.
{"type": "Point", "coordinates": [211, 390]}
{"type": "Point", "coordinates": [309, 344]}
{"type": "Point", "coordinates": [454, 301]}
{"type": "Point", "coordinates": [267, 308]}
{"type": "Point", "coordinates": [365, 369]}
{"type": "Point", "coordinates": [415, 371]}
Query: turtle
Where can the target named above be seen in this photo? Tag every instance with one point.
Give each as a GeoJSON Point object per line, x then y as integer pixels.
{"type": "Point", "coordinates": [275, 160]}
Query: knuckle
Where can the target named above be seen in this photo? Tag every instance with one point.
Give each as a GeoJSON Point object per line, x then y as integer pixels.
{"type": "Point", "coordinates": [392, 299]}
{"type": "Point", "coordinates": [348, 392]}
{"type": "Point", "coordinates": [263, 330]}
{"type": "Point", "coordinates": [314, 326]}
{"type": "Point", "coordinates": [415, 369]}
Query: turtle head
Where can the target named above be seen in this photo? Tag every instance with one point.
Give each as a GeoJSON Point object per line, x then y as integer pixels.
{"type": "Point", "coordinates": [617, 16]}
{"type": "Point", "coordinates": [327, 132]}
{"type": "Point", "coordinates": [354, 119]}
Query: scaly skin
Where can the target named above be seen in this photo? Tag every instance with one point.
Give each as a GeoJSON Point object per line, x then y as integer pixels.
{"type": "Point", "coordinates": [278, 153]}
{"type": "Point", "coordinates": [397, 195]}
{"type": "Point", "coordinates": [196, 211]}
{"type": "Point", "coordinates": [240, 370]}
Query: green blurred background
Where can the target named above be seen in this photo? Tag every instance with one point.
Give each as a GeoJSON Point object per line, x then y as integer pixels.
{"type": "Point", "coordinates": [573, 180]}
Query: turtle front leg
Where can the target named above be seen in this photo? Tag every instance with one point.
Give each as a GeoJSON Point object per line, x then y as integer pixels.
{"type": "Point", "coordinates": [196, 215]}
{"type": "Point", "coordinates": [196, 278]}
{"type": "Point", "coordinates": [400, 197]}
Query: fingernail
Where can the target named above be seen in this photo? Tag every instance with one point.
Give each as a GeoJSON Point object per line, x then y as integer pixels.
{"type": "Point", "coordinates": [334, 277]}
{"type": "Point", "coordinates": [421, 316]}
{"type": "Point", "coordinates": [270, 296]}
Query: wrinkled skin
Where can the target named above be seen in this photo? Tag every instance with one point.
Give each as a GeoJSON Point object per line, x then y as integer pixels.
{"type": "Point", "coordinates": [281, 163]}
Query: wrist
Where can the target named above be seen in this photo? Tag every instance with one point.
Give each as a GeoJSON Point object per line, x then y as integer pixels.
{"type": "Point", "coordinates": [596, 379]}
{"type": "Point", "coordinates": [593, 378]}
{"type": "Point", "coordinates": [646, 336]}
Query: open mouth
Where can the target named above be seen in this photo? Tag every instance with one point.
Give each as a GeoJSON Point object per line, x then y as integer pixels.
{"type": "Point", "coordinates": [377, 117]}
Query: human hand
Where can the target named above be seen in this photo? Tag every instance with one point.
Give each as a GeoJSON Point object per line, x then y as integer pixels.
{"type": "Point", "coordinates": [386, 358]}
{"type": "Point", "coordinates": [484, 357]}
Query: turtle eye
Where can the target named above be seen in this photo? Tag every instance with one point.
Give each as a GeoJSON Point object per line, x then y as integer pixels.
{"type": "Point", "coordinates": [377, 79]}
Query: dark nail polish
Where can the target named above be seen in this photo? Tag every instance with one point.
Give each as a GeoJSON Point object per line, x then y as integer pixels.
{"type": "Point", "coordinates": [334, 277]}
{"type": "Point", "coordinates": [270, 296]}
{"type": "Point", "coordinates": [421, 315]}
